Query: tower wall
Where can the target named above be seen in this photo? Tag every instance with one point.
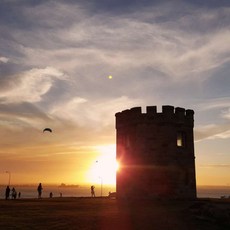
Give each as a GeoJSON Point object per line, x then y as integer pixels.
{"type": "Point", "coordinates": [156, 153]}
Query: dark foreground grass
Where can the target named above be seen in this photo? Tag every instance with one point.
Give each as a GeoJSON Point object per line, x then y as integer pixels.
{"type": "Point", "coordinates": [104, 213]}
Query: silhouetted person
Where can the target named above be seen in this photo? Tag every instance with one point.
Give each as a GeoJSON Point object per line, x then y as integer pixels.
{"type": "Point", "coordinates": [92, 191]}
{"type": "Point", "coordinates": [14, 193]}
{"type": "Point", "coordinates": [7, 193]}
{"type": "Point", "coordinates": [39, 189]}
{"type": "Point", "coordinates": [51, 195]}
{"type": "Point", "coordinates": [19, 194]}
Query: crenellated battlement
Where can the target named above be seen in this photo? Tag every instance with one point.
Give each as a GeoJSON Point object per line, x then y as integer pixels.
{"type": "Point", "coordinates": [156, 151]}
{"type": "Point", "coordinates": [169, 114]}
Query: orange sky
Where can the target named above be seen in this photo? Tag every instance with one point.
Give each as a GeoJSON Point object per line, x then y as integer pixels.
{"type": "Point", "coordinates": [71, 65]}
{"type": "Point", "coordinates": [57, 163]}
{"type": "Point", "coordinates": [44, 157]}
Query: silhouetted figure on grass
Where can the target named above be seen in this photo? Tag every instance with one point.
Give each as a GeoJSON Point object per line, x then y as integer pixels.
{"type": "Point", "coordinates": [51, 195]}
{"type": "Point", "coordinates": [7, 193]}
{"type": "Point", "coordinates": [19, 194]}
{"type": "Point", "coordinates": [39, 189]}
{"type": "Point", "coordinates": [14, 193]}
{"type": "Point", "coordinates": [92, 191]}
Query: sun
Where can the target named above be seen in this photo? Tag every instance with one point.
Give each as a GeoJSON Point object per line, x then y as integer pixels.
{"type": "Point", "coordinates": [117, 166]}
{"type": "Point", "coordinates": [104, 168]}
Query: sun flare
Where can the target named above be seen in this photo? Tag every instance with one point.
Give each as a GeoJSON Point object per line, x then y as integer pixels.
{"type": "Point", "coordinates": [104, 168]}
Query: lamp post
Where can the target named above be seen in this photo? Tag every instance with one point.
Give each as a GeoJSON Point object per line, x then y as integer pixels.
{"type": "Point", "coordinates": [101, 185]}
{"type": "Point", "coordinates": [9, 177]}
{"type": "Point", "coordinates": [101, 181]}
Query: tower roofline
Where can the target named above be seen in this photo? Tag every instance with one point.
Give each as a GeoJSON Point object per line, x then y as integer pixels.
{"type": "Point", "coordinates": [169, 114]}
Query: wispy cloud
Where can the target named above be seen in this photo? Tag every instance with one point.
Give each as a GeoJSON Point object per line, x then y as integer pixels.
{"type": "Point", "coordinates": [92, 114]}
{"type": "Point", "coordinates": [226, 113]}
{"type": "Point", "coordinates": [172, 47]}
{"type": "Point", "coordinates": [56, 57]}
{"type": "Point", "coordinates": [215, 166]}
{"type": "Point", "coordinates": [212, 131]}
{"type": "Point", "coordinates": [28, 86]}
{"type": "Point", "coordinates": [4, 59]}
{"type": "Point", "coordinates": [214, 103]}
{"type": "Point", "coordinates": [147, 51]}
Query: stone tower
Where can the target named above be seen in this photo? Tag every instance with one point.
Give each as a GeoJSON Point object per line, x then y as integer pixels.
{"type": "Point", "coordinates": [156, 153]}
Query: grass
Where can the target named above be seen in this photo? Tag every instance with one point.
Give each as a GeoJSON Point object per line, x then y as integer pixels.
{"type": "Point", "coordinates": [108, 214]}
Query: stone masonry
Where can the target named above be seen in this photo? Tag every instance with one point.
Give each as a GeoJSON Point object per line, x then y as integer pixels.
{"type": "Point", "coordinates": [156, 153]}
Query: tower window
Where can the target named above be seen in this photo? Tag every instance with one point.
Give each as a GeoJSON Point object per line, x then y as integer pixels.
{"type": "Point", "coordinates": [180, 139]}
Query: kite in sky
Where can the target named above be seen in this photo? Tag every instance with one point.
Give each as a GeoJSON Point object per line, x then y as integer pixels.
{"type": "Point", "coordinates": [47, 129]}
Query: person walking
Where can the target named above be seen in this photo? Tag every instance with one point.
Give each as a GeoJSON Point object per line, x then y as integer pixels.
{"type": "Point", "coordinates": [39, 189]}
{"type": "Point", "coordinates": [92, 191]}
{"type": "Point", "coordinates": [14, 193]}
{"type": "Point", "coordinates": [7, 193]}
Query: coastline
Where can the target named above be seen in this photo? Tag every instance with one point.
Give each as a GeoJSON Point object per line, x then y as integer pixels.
{"type": "Point", "coordinates": [72, 190]}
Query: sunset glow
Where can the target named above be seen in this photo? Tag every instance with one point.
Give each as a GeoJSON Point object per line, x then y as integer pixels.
{"type": "Point", "coordinates": [72, 65]}
{"type": "Point", "coordinates": [104, 167]}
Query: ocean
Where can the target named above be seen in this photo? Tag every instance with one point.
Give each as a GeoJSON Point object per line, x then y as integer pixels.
{"type": "Point", "coordinates": [30, 191]}
{"type": "Point", "coordinates": [213, 191]}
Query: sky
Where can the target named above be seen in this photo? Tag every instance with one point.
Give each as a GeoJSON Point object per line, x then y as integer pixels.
{"type": "Point", "coordinates": [71, 65]}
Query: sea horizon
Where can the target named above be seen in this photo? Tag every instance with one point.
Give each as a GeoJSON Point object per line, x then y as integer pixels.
{"type": "Point", "coordinates": [58, 190]}
{"type": "Point", "coordinates": [78, 190]}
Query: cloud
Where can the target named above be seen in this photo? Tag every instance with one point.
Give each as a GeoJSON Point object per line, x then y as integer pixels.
{"type": "Point", "coordinates": [28, 86]}
{"type": "Point", "coordinates": [18, 116]}
{"type": "Point", "coordinates": [4, 59]}
{"type": "Point", "coordinates": [226, 113]}
{"type": "Point", "coordinates": [56, 57]}
{"type": "Point", "coordinates": [212, 132]}
{"type": "Point", "coordinates": [151, 54]}
{"type": "Point", "coordinates": [214, 103]}
{"type": "Point", "coordinates": [92, 114]}
{"type": "Point", "coordinates": [134, 40]}
{"type": "Point", "coordinates": [148, 51]}
{"type": "Point", "coordinates": [215, 166]}
{"type": "Point", "coordinates": [224, 135]}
